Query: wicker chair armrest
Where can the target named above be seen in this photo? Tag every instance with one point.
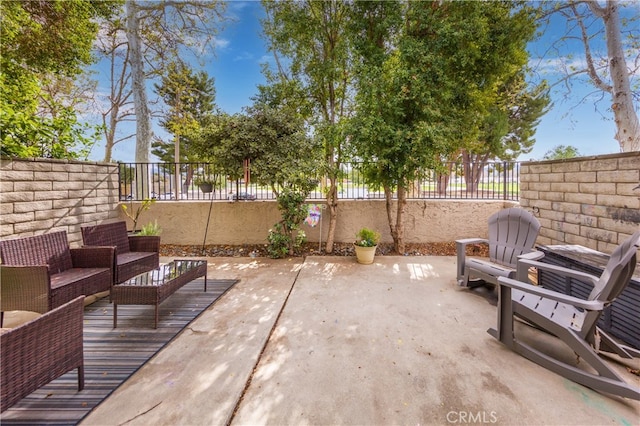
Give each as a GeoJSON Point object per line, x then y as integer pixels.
{"type": "Point", "coordinates": [93, 257]}
{"type": "Point", "coordinates": [145, 243]}
{"type": "Point", "coordinates": [25, 288]}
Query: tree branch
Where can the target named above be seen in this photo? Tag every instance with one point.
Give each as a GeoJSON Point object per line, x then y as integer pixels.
{"type": "Point", "coordinates": [591, 70]}
{"type": "Point", "coordinates": [597, 10]}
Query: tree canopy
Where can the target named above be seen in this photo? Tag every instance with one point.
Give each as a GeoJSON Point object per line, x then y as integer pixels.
{"type": "Point", "coordinates": [560, 152]}
{"type": "Point", "coordinates": [429, 84]}
{"type": "Point", "coordinates": [189, 96]}
{"type": "Point", "coordinates": [42, 43]}
{"type": "Point", "coordinates": [312, 44]}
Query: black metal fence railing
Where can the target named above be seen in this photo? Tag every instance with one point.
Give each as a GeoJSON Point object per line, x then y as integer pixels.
{"type": "Point", "coordinates": [198, 181]}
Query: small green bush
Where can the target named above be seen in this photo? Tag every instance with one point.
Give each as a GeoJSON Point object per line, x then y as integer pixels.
{"type": "Point", "coordinates": [366, 237]}
{"type": "Point", "coordinates": [286, 236]}
{"type": "Point", "coordinates": [150, 228]}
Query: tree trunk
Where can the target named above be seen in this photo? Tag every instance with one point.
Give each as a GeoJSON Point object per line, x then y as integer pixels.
{"type": "Point", "coordinates": [472, 173]}
{"type": "Point", "coordinates": [402, 203]}
{"type": "Point", "coordinates": [109, 136]}
{"type": "Point", "coordinates": [443, 183]}
{"type": "Point", "coordinates": [292, 239]}
{"type": "Point", "coordinates": [388, 194]}
{"type": "Point", "coordinates": [442, 180]}
{"type": "Point", "coordinates": [332, 204]}
{"type": "Point", "coordinates": [143, 125]}
{"type": "Point", "coordinates": [397, 228]}
{"type": "Point", "coordinates": [627, 124]}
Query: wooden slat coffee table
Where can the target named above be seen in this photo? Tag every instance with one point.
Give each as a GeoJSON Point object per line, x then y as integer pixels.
{"type": "Point", "coordinates": [153, 287]}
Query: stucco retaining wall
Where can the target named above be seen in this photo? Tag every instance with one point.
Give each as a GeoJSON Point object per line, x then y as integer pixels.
{"type": "Point", "coordinates": [590, 201]}
{"type": "Point", "coordinates": [248, 222]}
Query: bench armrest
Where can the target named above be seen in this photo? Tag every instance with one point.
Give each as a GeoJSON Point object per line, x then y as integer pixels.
{"type": "Point", "coordinates": [29, 363]}
{"type": "Point", "coordinates": [145, 243]}
{"type": "Point", "coordinates": [25, 288]}
{"type": "Point", "coordinates": [93, 257]}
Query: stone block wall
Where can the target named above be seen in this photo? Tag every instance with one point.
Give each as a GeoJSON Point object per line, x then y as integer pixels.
{"type": "Point", "coordinates": [590, 201]}
{"type": "Point", "coordinates": [40, 195]}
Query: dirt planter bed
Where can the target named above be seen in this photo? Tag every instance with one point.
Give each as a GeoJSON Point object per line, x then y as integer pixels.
{"type": "Point", "coordinates": [312, 249]}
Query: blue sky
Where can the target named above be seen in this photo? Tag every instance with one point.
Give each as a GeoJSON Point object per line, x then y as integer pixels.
{"type": "Point", "coordinates": [236, 68]}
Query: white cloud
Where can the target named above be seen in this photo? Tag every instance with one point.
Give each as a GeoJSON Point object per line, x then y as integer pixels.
{"type": "Point", "coordinates": [221, 43]}
{"type": "Point", "coordinates": [571, 64]}
{"type": "Point", "coordinates": [237, 5]}
{"type": "Point", "coordinates": [244, 56]}
{"type": "Point", "coordinates": [267, 59]}
{"type": "Point", "coordinates": [558, 65]}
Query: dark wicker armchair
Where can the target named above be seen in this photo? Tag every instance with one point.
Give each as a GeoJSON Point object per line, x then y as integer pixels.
{"type": "Point", "coordinates": [41, 350]}
{"type": "Point", "coordinates": [31, 263]}
{"type": "Point", "coordinates": [134, 255]}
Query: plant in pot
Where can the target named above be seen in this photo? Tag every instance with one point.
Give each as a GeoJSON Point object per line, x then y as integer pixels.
{"type": "Point", "coordinates": [150, 229]}
{"type": "Point", "coordinates": [206, 182]}
{"type": "Point", "coordinates": [365, 245]}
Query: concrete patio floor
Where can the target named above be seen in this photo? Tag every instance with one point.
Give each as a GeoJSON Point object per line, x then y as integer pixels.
{"type": "Point", "coordinates": [326, 341]}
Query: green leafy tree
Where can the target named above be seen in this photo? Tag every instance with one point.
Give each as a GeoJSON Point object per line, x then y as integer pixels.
{"type": "Point", "coordinates": [42, 44]}
{"type": "Point", "coordinates": [560, 152]}
{"type": "Point", "coordinates": [226, 139]}
{"type": "Point", "coordinates": [430, 76]}
{"type": "Point", "coordinates": [507, 129]}
{"type": "Point", "coordinates": [507, 108]}
{"type": "Point", "coordinates": [283, 154]}
{"type": "Point", "coordinates": [190, 99]}
{"type": "Point", "coordinates": [286, 235]}
{"type": "Point", "coordinates": [384, 130]}
{"type": "Point", "coordinates": [275, 142]}
{"type": "Point", "coordinates": [316, 73]}
{"type": "Point", "coordinates": [286, 159]}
